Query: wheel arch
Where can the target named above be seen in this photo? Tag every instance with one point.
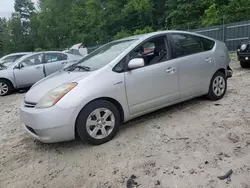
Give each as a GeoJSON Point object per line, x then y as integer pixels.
{"type": "Point", "coordinates": [8, 81]}
{"type": "Point", "coordinates": [109, 99]}
{"type": "Point", "coordinates": [221, 70]}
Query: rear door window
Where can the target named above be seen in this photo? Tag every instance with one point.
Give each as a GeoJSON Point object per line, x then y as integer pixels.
{"type": "Point", "coordinates": [185, 44]}
{"type": "Point", "coordinates": [53, 57]}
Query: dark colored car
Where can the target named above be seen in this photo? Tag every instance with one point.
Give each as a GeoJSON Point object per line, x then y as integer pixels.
{"type": "Point", "coordinates": [243, 54]}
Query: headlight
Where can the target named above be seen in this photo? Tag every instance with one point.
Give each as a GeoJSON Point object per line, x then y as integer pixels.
{"type": "Point", "coordinates": [53, 96]}
{"type": "Point", "coordinates": [243, 47]}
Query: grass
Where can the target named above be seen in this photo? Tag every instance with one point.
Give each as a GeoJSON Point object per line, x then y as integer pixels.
{"type": "Point", "coordinates": [232, 54]}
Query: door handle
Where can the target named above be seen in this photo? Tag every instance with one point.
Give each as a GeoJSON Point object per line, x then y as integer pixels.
{"type": "Point", "coordinates": [209, 60]}
{"type": "Point", "coordinates": [63, 63]}
{"type": "Point", "coordinates": [171, 70]}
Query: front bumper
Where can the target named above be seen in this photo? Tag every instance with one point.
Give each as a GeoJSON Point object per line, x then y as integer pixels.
{"type": "Point", "coordinates": [243, 57]}
{"type": "Point", "coordinates": [49, 125]}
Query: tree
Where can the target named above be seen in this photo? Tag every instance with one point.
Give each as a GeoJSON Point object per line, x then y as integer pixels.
{"type": "Point", "coordinates": [237, 10]}
{"type": "Point", "coordinates": [3, 36]}
{"type": "Point", "coordinates": [24, 9]}
{"type": "Point", "coordinates": [212, 16]}
{"type": "Point", "coordinates": [58, 24]}
{"type": "Point", "coordinates": [182, 14]}
{"type": "Point", "coordinates": [17, 41]}
{"type": "Point", "coordinates": [159, 14]}
{"type": "Point", "coordinates": [55, 23]}
{"type": "Point", "coordinates": [226, 11]}
{"type": "Point", "coordinates": [19, 26]}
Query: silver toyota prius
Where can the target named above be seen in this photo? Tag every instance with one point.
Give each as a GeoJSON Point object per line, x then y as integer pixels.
{"type": "Point", "coordinates": [122, 80]}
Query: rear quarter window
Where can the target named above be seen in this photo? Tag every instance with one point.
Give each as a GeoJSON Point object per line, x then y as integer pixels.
{"type": "Point", "coordinates": [207, 44]}
{"type": "Point", "coordinates": [64, 57]}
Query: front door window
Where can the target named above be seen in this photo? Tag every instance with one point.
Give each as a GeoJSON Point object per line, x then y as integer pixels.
{"type": "Point", "coordinates": [153, 51]}
{"type": "Point", "coordinates": [33, 60]}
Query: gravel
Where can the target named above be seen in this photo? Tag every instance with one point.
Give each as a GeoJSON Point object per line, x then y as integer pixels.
{"type": "Point", "coordinates": [159, 147]}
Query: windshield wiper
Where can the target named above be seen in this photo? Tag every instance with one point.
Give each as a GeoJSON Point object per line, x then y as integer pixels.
{"type": "Point", "coordinates": [74, 67]}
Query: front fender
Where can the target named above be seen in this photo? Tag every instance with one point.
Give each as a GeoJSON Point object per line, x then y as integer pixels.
{"type": "Point", "coordinates": [8, 74]}
{"type": "Point", "coordinates": [95, 87]}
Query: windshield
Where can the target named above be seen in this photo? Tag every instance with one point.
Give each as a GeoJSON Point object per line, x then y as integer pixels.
{"type": "Point", "coordinates": [105, 54]}
{"type": "Point", "coordinates": [10, 59]}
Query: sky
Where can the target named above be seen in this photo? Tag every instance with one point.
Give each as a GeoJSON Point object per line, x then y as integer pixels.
{"type": "Point", "coordinates": [7, 7]}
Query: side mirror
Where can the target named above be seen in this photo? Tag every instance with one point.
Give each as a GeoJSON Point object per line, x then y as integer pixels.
{"type": "Point", "coordinates": [136, 63]}
{"type": "Point", "coordinates": [19, 66]}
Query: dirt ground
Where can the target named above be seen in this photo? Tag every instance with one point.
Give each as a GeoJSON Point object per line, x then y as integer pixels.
{"type": "Point", "coordinates": [183, 146]}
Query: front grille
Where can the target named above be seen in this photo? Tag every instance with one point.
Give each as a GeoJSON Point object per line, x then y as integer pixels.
{"type": "Point", "coordinates": [31, 130]}
{"type": "Point", "coordinates": [29, 104]}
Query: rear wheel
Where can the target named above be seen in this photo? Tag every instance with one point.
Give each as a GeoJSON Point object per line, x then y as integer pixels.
{"type": "Point", "coordinates": [218, 86]}
{"type": "Point", "coordinates": [244, 64]}
{"type": "Point", "coordinates": [98, 122]}
{"type": "Point", "coordinates": [5, 87]}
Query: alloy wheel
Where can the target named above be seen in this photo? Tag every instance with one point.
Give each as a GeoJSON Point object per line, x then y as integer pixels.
{"type": "Point", "coordinates": [219, 86]}
{"type": "Point", "coordinates": [3, 88]}
{"type": "Point", "coordinates": [100, 123]}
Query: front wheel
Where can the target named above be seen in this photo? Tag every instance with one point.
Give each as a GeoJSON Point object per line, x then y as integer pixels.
{"type": "Point", "coordinates": [218, 86]}
{"type": "Point", "coordinates": [98, 122]}
{"type": "Point", "coordinates": [5, 87]}
{"type": "Point", "coordinates": [244, 64]}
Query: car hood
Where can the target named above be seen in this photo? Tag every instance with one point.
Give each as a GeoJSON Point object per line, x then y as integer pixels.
{"type": "Point", "coordinates": [51, 82]}
{"type": "Point", "coordinates": [5, 72]}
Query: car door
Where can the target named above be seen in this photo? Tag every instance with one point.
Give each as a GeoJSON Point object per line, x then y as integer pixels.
{"type": "Point", "coordinates": [155, 84]}
{"type": "Point", "coordinates": [54, 62]}
{"type": "Point", "coordinates": [29, 71]}
{"type": "Point", "coordinates": [195, 64]}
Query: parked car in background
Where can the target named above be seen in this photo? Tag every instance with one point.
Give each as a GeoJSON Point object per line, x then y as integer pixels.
{"type": "Point", "coordinates": [79, 49]}
{"type": "Point", "coordinates": [243, 53]}
{"type": "Point", "coordinates": [121, 81]}
{"type": "Point", "coordinates": [31, 68]}
{"type": "Point", "coordinates": [8, 59]}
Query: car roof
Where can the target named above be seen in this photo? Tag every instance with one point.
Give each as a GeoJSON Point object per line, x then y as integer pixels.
{"type": "Point", "coordinates": [35, 53]}
{"type": "Point", "coordinates": [148, 35]}
{"type": "Point", "coordinates": [18, 53]}
{"type": "Point", "coordinates": [51, 52]}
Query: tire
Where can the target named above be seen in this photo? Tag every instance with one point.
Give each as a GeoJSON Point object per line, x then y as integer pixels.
{"type": "Point", "coordinates": [217, 91]}
{"type": "Point", "coordinates": [97, 124]}
{"type": "Point", "coordinates": [6, 87]}
{"type": "Point", "coordinates": [244, 64]}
